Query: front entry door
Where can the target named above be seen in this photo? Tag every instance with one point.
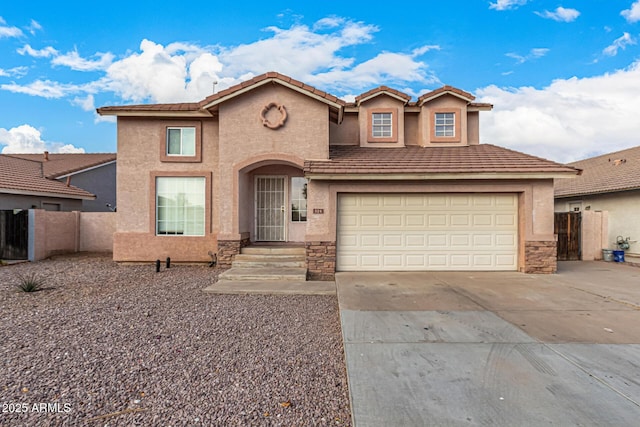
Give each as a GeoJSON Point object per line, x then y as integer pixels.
{"type": "Point", "coordinates": [271, 215]}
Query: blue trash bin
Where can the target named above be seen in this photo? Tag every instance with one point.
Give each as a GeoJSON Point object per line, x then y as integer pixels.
{"type": "Point", "coordinates": [618, 256]}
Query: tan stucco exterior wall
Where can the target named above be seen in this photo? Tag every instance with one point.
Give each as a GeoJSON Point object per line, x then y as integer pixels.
{"type": "Point", "coordinates": [246, 144]}
{"type": "Point", "coordinates": [140, 141]}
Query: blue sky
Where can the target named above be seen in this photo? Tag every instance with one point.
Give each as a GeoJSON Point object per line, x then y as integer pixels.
{"type": "Point", "coordinates": [564, 76]}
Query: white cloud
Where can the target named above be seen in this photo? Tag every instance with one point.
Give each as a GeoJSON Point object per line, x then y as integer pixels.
{"type": "Point", "coordinates": [534, 53]}
{"type": "Point", "coordinates": [87, 104]}
{"type": "Point", "coordinates": [560, 14]}
{"type": "Point", "coordinates": [44, 88]}
{"type": "Point", "coordinates": [34, 26]}
{"type": "Point", "coordinates": [14, 72]}
{"type": "Point", "coordinates": [27, 139]}
{"type": "Point", "coordinates": [75, 62]}
{"type": "Point", "coordinates": [6, 31]}
{"type": "Point", "coordinates": [37, 53]}
{"type": "Point", "coordinates": [507, 4]}
{"type": "Point", "coordinates": [183, 72]}
{"type": "Point", "coordinates": [568, 120]}
{"type": "Point", "coordinates": [620, 43]}
{"type": "Point", "coordinates": [632, 15]}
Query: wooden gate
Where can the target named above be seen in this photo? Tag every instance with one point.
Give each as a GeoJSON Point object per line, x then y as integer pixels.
{"type": "Point", "coordinates": [14, 234]}
{"type": "Point", "coordinates": [568, 227]}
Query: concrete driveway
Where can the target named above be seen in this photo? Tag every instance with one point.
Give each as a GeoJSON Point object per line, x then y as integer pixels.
{"type": "Point", "coordinates": [499, 349]}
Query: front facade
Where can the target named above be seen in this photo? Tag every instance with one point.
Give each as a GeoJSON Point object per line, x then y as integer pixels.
{"type": "Point", "coordinates": [382, 183]}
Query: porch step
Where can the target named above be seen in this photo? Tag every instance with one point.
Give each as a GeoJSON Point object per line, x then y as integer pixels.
{"type": "Point", "coordinates": [274, 250]}
{"type": "Point", "coordinates": [264, 274]}
{"type": "Point", "coordinates": [255, 261]}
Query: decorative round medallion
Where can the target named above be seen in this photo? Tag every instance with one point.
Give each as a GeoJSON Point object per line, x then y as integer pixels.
{"type": "Point", "coordinates": [273, 122]}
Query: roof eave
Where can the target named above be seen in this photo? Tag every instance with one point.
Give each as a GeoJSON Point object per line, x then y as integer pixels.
{"type": "Point", "coordinates": [155, 113]}
{"type": "Point", "coordinates": [436, 176]}
{"type": "Point", "coordinates": [47, 194]}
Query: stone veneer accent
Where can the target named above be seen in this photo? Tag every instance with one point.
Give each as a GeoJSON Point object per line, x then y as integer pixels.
{"type": "Point", "coordinates": [540, 257]}
{"type": "Point", "coordinates": [321, 260]}
{"type": "Point", "coordinates": [228, 249]}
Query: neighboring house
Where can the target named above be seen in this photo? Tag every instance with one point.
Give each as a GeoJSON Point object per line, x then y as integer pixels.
{"type": "Point", "coordinates": [382, 183]}
{"type": "Point", "coordinates": [24, 185]}
{"type": "Point", "coordinates": [610, 182]}
{"type": "Point", "coordinates": [93, 172]}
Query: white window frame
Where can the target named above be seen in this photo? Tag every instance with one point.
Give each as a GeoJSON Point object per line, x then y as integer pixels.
{"type": "Point", "coordinates": [445, 125]}
{"type": "Point", "coordinates": [188, 220]}
{"type": "Point", "coordinates": [298, 199]}
{"type": "Point", "coordinates": [182, 141]}
{"type": "Point", "coordinates": [382, 124]}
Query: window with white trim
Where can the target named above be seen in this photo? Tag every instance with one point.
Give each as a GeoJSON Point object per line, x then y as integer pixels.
{"type": "Point", "coordinates": [445, 125]}
{"type": "Point", "coordinates": [382, 125]}
{"type": "Point", "coordinates": [298, 199]}
{"type": "Point", "coordinates": [180, 206]}
{"type": "Point", "coordinates": [181, 141]}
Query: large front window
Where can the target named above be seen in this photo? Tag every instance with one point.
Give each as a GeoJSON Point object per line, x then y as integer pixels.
{"type": "Point", "coordinates": [180, 206]}
{"type": "Point", "coordinates": [298, 199]}
{"type": "Point", "coordinates": [181, 141]}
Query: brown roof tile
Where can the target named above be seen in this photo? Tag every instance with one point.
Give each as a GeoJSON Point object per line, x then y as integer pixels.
{"type": "Point", "coordinates": [26, 176]}
{"type": "Point", "coordinates": [380, 90]}
{"type": "Point", "coordinates": [617, 171]}
{"type": "Point", "coordinates": [483, 158]}
{"type": "Point", "coordinates": [443, 90]}
{"type": "Point", "coordinates": [59, 164]}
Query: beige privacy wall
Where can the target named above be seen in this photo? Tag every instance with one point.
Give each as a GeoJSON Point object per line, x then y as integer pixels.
{"type": "Point", "coordinates": [53, 233]}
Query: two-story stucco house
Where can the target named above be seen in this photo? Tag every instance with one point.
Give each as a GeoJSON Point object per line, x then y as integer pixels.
{"type": "Point", "coordinates": [382, 183]}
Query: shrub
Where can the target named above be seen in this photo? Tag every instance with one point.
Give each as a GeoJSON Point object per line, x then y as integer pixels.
{"type": "Point", "coordinates": [30, 282]}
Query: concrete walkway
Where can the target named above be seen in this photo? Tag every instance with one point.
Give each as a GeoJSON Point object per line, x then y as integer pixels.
{"type": "Point", "coordinates": [499, 349]}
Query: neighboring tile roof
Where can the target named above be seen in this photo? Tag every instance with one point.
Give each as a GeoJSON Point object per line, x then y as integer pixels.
{"type": "Point", "coordinates": [22, 176]}
{"type": "Point", "coordinates": [617, 171]}
{"type": "Point", "coordinates": [60, 164]}
{"type": "Point", "coordinates": [483, 158]}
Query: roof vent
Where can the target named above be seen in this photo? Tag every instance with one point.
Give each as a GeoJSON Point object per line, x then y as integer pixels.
{"type": "Point", "coordinates": [618, 162]}
{"type": "Point", "coordinates": [46, 156]}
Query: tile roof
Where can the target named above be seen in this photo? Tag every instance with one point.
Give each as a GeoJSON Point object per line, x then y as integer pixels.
{"type": "Point", "coordinates": [23, 176]}
{"type": "Point", "coordinates": [483, 158]}
{"type": "Point", "coordinates": [380, 90]}
{"type": "Point", "coordinates": [617, 171]}
{"type": "Point", "coordinates": [207, 107]}
{"type": "Point", "coordinates": [60, 164]}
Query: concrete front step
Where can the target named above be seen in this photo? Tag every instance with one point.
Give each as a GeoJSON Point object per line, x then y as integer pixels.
{"type": "Point", "coordinates": [272, 287]}
{"type": "Point", "coordinates": [273, 250]}
{"type": "Point", "coordinates": [264, 274]}
{"type": "Point", "coordinates": [274, 263]}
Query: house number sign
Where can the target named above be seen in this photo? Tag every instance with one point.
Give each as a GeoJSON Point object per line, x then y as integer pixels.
{"type": "Point", "coordinates": [273, 122]}
{"type": "Point", "coordinates": [318, 211]}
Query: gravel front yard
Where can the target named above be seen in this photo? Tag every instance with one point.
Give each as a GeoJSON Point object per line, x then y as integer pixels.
{"type": "Point", "coordinates": [112, 344]}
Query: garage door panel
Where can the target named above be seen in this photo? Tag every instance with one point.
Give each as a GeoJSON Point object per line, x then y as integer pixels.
{"type": "Point", "coordinates": [396, 232]}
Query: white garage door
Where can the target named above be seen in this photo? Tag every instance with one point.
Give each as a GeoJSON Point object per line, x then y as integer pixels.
{"type": "Point", "coordinates": [401, 232]}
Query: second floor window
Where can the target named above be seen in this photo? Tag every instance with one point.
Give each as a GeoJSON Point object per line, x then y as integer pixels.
{"type": "Point", "coordinates": [445, 125]}
{"type": "Point", "coordinates": [181, 141]}
{"type": "Point", "coordinates": [382, 125]}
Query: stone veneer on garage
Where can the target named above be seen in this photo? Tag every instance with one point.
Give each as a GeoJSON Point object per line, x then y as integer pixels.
{"type": "Point", "coordinates": [540, 257]}
{"type": "Point", "coordinates": [321, 260]}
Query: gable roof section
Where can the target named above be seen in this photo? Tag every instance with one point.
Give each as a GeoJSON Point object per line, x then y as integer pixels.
{"type": "Point", "coordinates": [383, 90]}
{"type": "Point", "coordinates": [56, 165]}
{"type": "Point", "coordinates": [446, 90]}
{"type": "Point", "coordinates": [481, 161]}
{"type": "Point", "coordinates": [209, 105]}
{"type": "Point", "coordinates": [608, 173]}
{"type": "Point", "coordinates": [26, 177]}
